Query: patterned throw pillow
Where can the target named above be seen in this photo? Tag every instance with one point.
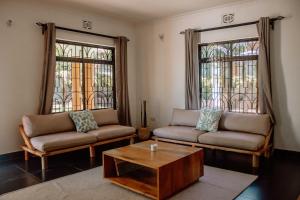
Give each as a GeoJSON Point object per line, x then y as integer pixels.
{"type": "Point", "coordinates": [84, 121]}
{"type": "Point", "coordinates": [209, 119]}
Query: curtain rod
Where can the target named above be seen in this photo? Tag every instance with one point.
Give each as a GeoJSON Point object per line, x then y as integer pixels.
{"type": "Point", "coordinates": [272, 20]}
{"type": "Point", "coordinates": [80, 31]}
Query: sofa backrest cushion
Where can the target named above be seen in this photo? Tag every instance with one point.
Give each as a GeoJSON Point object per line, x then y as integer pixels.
{"type": "Point", "coordinates": [106, 116]}
{"type": "Point", "coordinates": [183, 117]}
{"type": "Point", "coordinates": [36, 125]}
{"type": "Point", "coordinates": [250, 123]}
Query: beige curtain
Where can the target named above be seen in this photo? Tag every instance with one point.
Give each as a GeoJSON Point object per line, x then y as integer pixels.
{"type": "Point", "coordinates": [192, 89]}
{"type": "Point", "coordinates": [122, 82]}
{"type": "Point", "coordinates": [264, 68]}
{"type": "Point", "coordinates": [48, 78]}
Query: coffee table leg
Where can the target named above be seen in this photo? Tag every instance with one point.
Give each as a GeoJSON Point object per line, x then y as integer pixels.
{"type": "Point", "coordinates": [109, 167]}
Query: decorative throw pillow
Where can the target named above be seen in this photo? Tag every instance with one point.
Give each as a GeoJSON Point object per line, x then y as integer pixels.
{"type": "Point", "coordinates": [209, 119]}
{"type": "Point", "coordinates": [84, 121]}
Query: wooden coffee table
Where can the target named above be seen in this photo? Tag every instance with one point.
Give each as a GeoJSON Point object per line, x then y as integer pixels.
{"type": "Point", "coordinates": [158, 174]}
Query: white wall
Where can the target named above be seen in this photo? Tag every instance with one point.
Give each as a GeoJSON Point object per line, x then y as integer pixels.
{"type": "Point", "coordinates": [21, 54]}
{"type": "Point", "coordinates": [161, 63]}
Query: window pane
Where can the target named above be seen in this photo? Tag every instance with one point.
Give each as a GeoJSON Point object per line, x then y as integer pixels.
{"type": "Point", "coordinates": [228, 75]}
{"type": "Point", "coordinates": [84, 77]}
{"type": "Point", "coordinates": [68, 82]}
{"type": "Point", "coordinates": [99, 86]}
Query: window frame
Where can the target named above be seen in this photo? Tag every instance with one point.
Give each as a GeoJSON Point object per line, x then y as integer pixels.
{"type": "Point", "coordinates": [84, 61]}
{"type": "Point", "coordinates": [230, 59]}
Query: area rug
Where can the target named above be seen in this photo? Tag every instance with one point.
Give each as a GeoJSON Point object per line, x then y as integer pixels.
{"type": "Point", "coordinates": [216, 184]}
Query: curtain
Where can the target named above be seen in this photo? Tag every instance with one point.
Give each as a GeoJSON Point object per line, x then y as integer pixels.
{"type": "Point", "coordinates": [264, 68]}
{"type": "Point", "coordinates": [122, 82]}
{"type": "Point", "coordinates": [48, 78]}
{"type": "Point", "coordinates": [192, 88]}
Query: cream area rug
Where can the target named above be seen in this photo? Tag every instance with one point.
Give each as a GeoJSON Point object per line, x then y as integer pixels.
{"type": "Point", "coordinates": [216, 184]}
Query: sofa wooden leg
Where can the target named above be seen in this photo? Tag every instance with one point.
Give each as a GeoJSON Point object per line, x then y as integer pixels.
{"type": "Point", "coordinates": [92, 151]}
{"type": "Point", "coordinates": [255, 161]}
{"type": "Point", "coordinates": [26, 155]}
{"type": "Point", "coordinates": [44, 162]}
{"type": "Point", "coordinates": [132, 140]}
{"type": "Point", "coordinates": [267, 153]}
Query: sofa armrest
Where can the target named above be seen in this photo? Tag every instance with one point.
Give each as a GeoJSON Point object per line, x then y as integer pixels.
{"type": "Point", "coordinates": [25, 137]}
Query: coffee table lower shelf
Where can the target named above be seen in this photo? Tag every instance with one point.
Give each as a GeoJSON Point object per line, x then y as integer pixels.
{"type": "Point", "coordinates": [136, 186]}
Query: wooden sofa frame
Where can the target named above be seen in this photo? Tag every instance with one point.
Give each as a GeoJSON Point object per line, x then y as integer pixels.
{"type": "Point", "coordinates": [28, 147]}
{"type": "Point", "coordinates": [255, 154]}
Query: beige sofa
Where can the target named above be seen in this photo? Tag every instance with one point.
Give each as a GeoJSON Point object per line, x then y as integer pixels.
{"type": "Point", "coordinates": [46, 135]}
{"type": "Point", "coordinates": [238, 132]}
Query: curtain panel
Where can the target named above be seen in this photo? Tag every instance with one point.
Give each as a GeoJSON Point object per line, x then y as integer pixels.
{"type": "Point", "coordinates": [192, 87]}
{"type": "Point", "coordinates": [122, 82]}
{"type": "Point", "coordinates": [48, 77]}
{"type": "Point", "coordinates": [264, 68]}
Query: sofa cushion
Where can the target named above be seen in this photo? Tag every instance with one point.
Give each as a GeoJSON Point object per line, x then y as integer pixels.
{"type": "Point", "coordinates": [106, 116]}
{"type": "Point", "coordinates": [36, 125]}
{"type": "Point", "coordinates": [84, 121]}
{"type": "Point", "coordinates": [63, 140]}
{"type": "Point", "coordinates": [251, 123]}
{"type": "Point", "coordinates": [183, 133]}
{"type": "Point", "coordinates": [112, 131]}
{"type": "Point", "coordinates": [209, 119]}
{"type": "Point", "coordinates": [183, 117]}
{"type": "Point", "coordinates": [239, 140]}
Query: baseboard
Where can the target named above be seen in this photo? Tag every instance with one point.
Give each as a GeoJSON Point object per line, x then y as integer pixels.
{"type": "Point", "coordinates": [11, 156]}
{"type": "Point", "coordinates": [286, 153]}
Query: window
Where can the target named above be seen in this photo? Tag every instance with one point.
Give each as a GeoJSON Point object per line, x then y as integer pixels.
{"type": "Point", "coordinates": [84, 77]}
{"type": "Point", "coordinates": [228, 75]}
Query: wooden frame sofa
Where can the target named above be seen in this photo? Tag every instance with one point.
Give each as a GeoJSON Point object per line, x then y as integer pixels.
{"type": "Point", "coordinates": [48, 135]}
{"type": "Point", "coordinates": [238, 132]}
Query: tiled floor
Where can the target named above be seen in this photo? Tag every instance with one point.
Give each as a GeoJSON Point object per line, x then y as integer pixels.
{"type": "Point", "coordinates": [279, 177]}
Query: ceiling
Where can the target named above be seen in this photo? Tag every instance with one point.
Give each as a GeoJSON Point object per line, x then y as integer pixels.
{"type": "Point", "coordinates": [141, 10]}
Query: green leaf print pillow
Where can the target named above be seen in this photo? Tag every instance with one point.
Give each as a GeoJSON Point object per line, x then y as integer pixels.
{"type": "Point", "coordinates": [209, 119]}
{"type": "Point", "coordinates": [83, 120]}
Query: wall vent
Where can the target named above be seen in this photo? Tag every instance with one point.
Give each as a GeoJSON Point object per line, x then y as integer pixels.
{"type": "Point", "coordinates": [228, 18]}
{"type": "Point", "coordinates": [87, 24]}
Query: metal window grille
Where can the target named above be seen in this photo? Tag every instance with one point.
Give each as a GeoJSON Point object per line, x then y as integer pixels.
{"type": "Point", "coordinates": [228, 75]}
{"type": "Point", "coordinates": [84, 77]}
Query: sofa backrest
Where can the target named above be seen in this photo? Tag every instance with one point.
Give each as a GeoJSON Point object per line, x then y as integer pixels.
{"type": "Point", "coordinates": [244, 122]}
{"type": "Point", "coordinates": [183, 117]}
{"type": "Point", "coordinates": [36, 125]}
{"type": "Point", "coordinates": [106, 116]}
